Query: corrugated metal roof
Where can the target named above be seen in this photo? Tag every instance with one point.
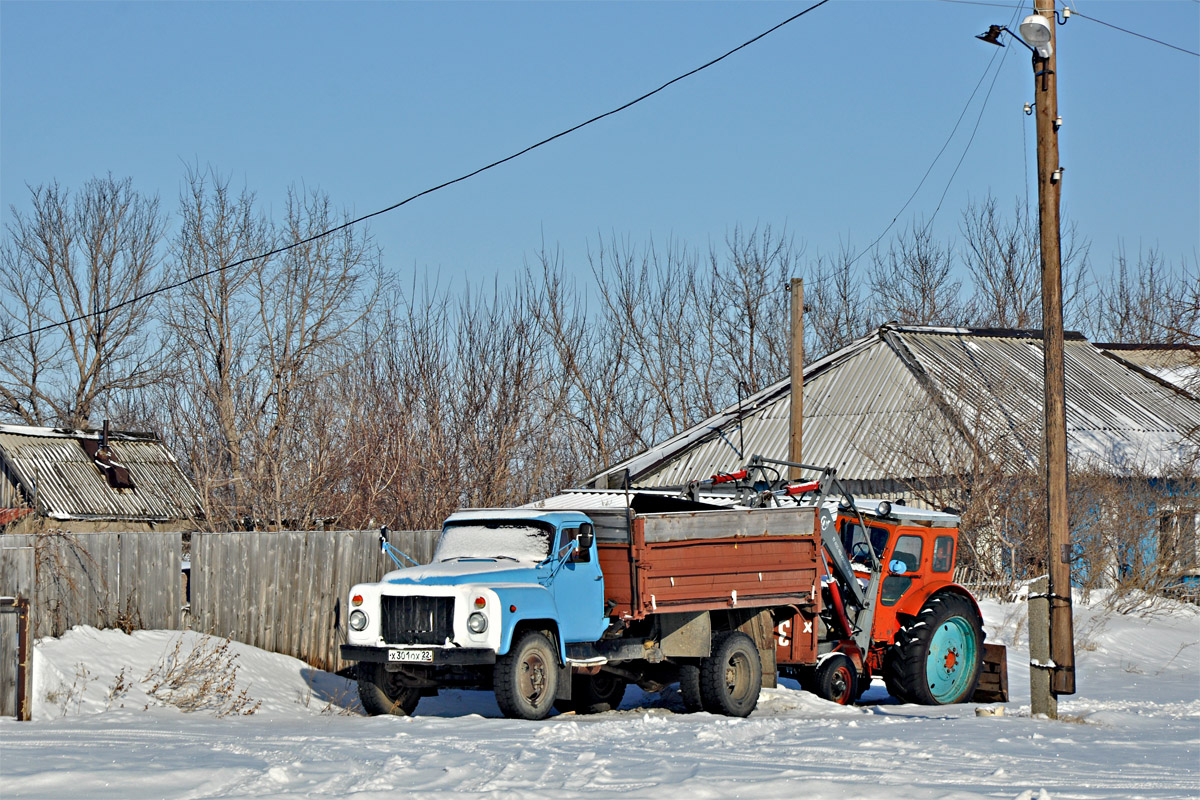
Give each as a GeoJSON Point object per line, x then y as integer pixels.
{"type": "Point", "coordinates": [1178, 365]}
{"type": "Point", "coordinates": [50, 464]}
{"type": "Point", "coordinates": [906, 396]}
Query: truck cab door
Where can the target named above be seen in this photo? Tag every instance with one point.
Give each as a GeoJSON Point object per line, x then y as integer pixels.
{"type": "Point", "coordinates": [578, 592]}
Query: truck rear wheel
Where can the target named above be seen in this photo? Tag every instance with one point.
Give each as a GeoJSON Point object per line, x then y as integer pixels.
{"type": "Point", "coordinates": [383, 692]}
{"type": "Point", "coordinates": [836, 679]}
{"type": "Point", "coordinates": [689, 688]}
{"type": "Point", "coordinates": [731, 678]}
{"type": "Point", "coordinates": [526, 678]}
{"type": "Point", "coordinates": [937, 659]}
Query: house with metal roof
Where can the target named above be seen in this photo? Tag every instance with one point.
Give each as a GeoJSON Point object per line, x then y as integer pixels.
{"type": "Point", "coordinates": [906, 402]}
{"type": "Point", "coordinates": [926, 414]}
{"type": "Point", "coordinates": [91, 480]}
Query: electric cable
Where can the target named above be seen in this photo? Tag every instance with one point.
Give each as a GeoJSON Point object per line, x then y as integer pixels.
{"type": "Point", "coordinates": [963, 113]}
{"type": "Point", "coordinates": [970, 141]}
{"type": "Point", "coordinates": [1135, 33]}
{"type": "Point", "coordinates": [394, 206]}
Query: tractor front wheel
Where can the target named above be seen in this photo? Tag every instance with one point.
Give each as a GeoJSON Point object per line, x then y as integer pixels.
{"type": "Point", "coordinates": [836, 680]}
{"type": "Point", "coordinates": [937, 659]}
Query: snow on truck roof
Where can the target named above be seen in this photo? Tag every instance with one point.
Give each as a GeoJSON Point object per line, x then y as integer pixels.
{"type": "Point", "coordinates": [557, 517]}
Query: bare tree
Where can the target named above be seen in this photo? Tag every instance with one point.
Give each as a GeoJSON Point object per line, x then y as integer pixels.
{"type": "Point", "coordinates": [308, 300]}
{"type": "Point", "coordinates": [915, 280]}
{"type": "Point", "coordinates": [214, 331]}
{"type": "Point", "coordinates": [840, 309]}
{"type": "Point", "coordinates": [1003, 257]}
{"type": "Point", "coordinates": [749, 307]}
{"type": "Point", "coordinates": [83, 263]}
{"type": "Point", "coordinates": [1149, 302]}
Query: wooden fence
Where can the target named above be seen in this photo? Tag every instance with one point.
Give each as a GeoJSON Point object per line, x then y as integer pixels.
{"type": "Point", "coordinates": [107, 580]}
{"type": "Point", "coordinates": [285, 592]}
{"type": "Point", "coordinates": [277, 591]}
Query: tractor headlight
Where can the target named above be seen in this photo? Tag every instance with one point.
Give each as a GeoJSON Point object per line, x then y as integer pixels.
{"type": "Point", "coordinates": [358, 620]}
{"type": "Point", "coordinates": [477, 623]}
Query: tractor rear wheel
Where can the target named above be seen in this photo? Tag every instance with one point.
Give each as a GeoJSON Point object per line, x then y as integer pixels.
{"type": "Point", "coordinates": [731, 678]}
{"type": "Point", "coordinates": [383, 692]}
{"type": "Point", "coordinates": [836, 680]}
{"type": "Point", "coordinates": [937, 659]}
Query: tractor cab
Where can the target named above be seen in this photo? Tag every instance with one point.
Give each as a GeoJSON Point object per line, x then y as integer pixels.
{"type": "Point", "coordinates": [914, 548]}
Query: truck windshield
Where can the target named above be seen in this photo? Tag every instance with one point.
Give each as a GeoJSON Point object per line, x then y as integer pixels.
{"type": "Point", "coordinates": [519, 541]}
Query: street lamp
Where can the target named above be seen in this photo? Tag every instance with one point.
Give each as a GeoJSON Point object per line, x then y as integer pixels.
{"type": "Point", "coordinates": [1036, 30]}
{"type": "Point", "coordinates": [1035, 34]}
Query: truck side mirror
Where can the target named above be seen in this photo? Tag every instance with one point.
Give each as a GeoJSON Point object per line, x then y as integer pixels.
{"type": "Point", "coordinates": [586, 537]}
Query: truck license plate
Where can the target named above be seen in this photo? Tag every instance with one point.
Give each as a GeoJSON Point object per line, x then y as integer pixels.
{"type": "Point", "coordinates": [410, 655]}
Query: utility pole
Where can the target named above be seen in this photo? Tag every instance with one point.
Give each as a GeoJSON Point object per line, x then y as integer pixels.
{"type": "Point", "coordinates": [796, 288]}
{"type": "Point", "coordinates": [1054, 457]}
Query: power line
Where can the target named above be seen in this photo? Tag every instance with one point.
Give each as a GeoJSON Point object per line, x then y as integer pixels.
{"type": "Point", "coordinates": [970, 141]}
{"type": "Point", "coordinates": [393, 207]}
{"type": "Point", "coordinates": [936, 158]}
{"type": "Point", "coordinates": [1135, 33]}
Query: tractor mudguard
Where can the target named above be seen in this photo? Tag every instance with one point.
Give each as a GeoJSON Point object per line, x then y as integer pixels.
{"type": "Point", "coordinates": [911, 604]}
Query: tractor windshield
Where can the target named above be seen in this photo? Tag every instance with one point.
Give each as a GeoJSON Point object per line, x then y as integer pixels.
{"type": "Point", "coordinates": [517, 541]}
{"type": "Point", "coordinates": [854, 541]}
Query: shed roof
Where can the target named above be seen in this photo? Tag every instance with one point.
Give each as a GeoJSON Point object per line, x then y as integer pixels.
{"type": "Point", "coordinates": [52, 468]}
{"type": "Point", "coordinates": [868, 406]}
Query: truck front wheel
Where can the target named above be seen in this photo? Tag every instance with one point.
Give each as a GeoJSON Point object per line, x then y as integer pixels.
{"type": "Point", "coordinates": [526, 678]}
{"type": "Point", "coordinates": [937, 659]}
{"type": "Point", "coordinates": [383, 692]}
{"type": "Point", "coordinates": [731, 678]}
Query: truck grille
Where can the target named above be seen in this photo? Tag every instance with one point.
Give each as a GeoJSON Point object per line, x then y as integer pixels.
{"type": "Point", "coordinates": [417, 620]}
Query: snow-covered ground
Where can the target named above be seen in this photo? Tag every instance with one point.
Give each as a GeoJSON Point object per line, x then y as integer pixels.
{"type": "Point", "coordinates": [106, 725]}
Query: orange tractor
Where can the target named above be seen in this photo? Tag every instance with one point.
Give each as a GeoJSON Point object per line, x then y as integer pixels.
{"type": "Point", "coordinates": [889, 604]}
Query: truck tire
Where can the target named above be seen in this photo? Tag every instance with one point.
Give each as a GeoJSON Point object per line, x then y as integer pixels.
{"type": "Point", "coordinates": [836, 680]}
{"type": "Point", "coordinates": [937, 659]}
{"type": "Point", "coordinates": [689, 688]}
{"type": "Point", "coordinates": [526, 678]}
{"type": "Point", "coordinates": [731, 678]}
{"type": "Point", "coordinates": [593, 694]}
{"type": "Point", "coordinates": [382, 692]}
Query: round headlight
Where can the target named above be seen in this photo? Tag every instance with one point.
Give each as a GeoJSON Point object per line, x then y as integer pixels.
{"type": "Point", "coordinates": [358, 620]}
{"type": "Point", "coordinates": [477, 623]}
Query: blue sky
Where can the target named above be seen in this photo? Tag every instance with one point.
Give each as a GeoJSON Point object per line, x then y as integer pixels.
{"type": "Point", "coordinates": [823, 129]}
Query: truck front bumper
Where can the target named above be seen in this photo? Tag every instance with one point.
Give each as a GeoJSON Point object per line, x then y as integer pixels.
{"type": "Point", "coordinates": [438, 656]}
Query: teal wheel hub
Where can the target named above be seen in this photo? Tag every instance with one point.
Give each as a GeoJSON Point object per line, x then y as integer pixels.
{"type": "Point", "coordinates": [950, 665]}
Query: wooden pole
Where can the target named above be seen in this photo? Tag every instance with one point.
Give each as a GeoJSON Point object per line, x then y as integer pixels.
{"type": "Point", "coordinates": [1062, 650]}
{"type": "Point", "coordinates": [796, 287]}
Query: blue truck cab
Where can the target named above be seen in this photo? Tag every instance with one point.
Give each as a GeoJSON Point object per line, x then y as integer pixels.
{"type": "Point", "coordinates": [500, 580]}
